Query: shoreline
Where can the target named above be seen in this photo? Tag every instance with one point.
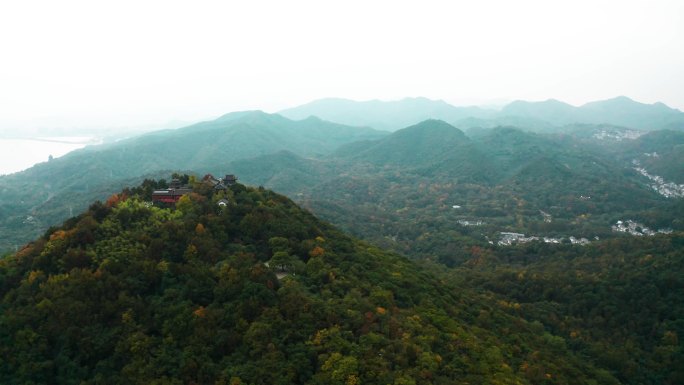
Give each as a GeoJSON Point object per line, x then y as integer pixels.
{"type": "Point", "coordinates": [20, 154]}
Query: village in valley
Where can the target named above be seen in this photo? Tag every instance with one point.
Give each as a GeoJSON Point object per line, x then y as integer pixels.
{"type": "Point", "coordinates": [631, 227]}
{"type": "Point", "coordinates": [509, 238]}
{"type": "Point", "coordinates": [637, 229]}
{"type": "Point", "coordinates": [666, 189]}
{"type": "Point", "coordinates": [617, 134]}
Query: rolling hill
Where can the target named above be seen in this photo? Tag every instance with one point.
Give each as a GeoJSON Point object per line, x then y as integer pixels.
{"type": "Point", "coordinates": [400, 191]}
{"type": "Point", "coordinates": [45, 194]}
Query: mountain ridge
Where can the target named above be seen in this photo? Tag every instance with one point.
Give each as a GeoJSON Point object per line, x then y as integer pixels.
{"type": "Point", "coordinates": [375, 113]}
{"type": "Point", "coordinates": [546, 115]}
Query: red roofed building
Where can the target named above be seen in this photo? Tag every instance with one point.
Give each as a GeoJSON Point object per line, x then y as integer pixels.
{"type": "Point", "coordinates": [170, 195]}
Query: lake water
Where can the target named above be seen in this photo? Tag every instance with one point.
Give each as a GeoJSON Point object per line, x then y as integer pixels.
{"type": "Point", "coordinates": [20, 154]}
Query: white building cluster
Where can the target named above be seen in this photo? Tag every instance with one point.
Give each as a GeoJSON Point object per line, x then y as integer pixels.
{"type": "Point", "coordinates": [508, 239]}
{"type": "Point", "coordinates": [635, 228]}
{"type": "Point", "coordinates": [666, 189]}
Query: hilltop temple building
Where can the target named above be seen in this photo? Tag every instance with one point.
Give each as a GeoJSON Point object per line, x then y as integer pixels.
{"type": "Point", "coordinates": [176, 190]}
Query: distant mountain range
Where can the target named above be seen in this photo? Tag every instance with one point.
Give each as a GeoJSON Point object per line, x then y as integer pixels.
{"type": "Point", "coordinates": [620, 111]}
{"type": "Point", "coordinates": [546, 116]}
{"type": "Point", "coordinates": [382, 115]}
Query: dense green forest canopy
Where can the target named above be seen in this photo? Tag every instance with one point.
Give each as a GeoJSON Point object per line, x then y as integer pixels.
{"type": "Point", "coordinates": [618, 301]}
{"type": "Point", "coordinates": [256, 292]}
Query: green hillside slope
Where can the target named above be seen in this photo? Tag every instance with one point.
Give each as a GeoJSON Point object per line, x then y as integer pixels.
{"type": "Point", "coordinates": [618, 301]}
{"type": "Point", "coordinates": [129, 293]}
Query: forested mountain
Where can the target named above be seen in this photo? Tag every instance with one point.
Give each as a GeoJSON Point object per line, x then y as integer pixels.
{"type": "Point", "coordinates": [623, 111]}
{"type": "Point", "coordinates": [552, 111]}
{"type": "Point", "coordinates": [132, 293]}
{"type": "Point", "coordinates": [417, 146]}
{"type": "Point", "coordinates": [233, 136]}
{"type": "Point", "coordinates": [48, 192]}
{"type": "Point", "coordinates": [546, 116]}
{"type": "Point", "coordinates": [428, 198]}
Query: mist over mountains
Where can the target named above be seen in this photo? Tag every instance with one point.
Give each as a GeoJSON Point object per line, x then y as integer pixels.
{"type": "Point", "coordinates": [547, 115]}
{"type": "Point", "coordinates": [382, 115]}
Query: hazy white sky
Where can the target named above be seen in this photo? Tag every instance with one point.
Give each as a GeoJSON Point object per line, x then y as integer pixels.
{"type": "Point", "coordinates": [112, 63]}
